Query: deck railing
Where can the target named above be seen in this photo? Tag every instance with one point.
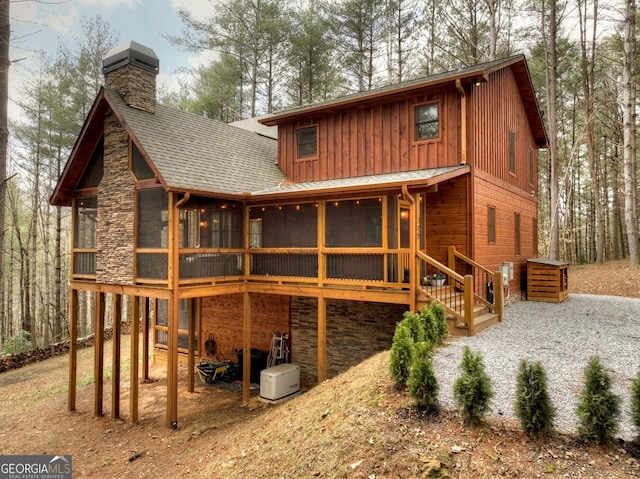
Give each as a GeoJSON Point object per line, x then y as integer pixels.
{"type": "Point", "coordinates": [367, 266]}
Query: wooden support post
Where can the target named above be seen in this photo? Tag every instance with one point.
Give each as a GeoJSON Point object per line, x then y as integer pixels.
{"type": "Point", "coordinates": [98, 356]}
{"type": "Point", "coordinates": [135, 359]}
{"type": "Point", "coordinates": [191, 360]}
{"type": "Point", "coordinates": [451, 262]}
{"type": "Point", "coordinates": [73, 350]}
{"type": "Point", "coordinates": [173, 310]}
{"type": "Point", "coordinates": [322, 258]}
{"type": "Point", "coordinates": [322, 339]}
{"type": "Point", "coordinates": [115, 363]}
{"type": "Point", "coordinates": [246, 346]}
{"type": "Point", "coordinates": [145, 339]}
{"type": "Point", "coordinates": [468, 304]}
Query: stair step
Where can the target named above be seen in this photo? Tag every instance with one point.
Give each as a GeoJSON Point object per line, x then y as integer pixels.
{"type": "Point", "coordinates": [484, 321]}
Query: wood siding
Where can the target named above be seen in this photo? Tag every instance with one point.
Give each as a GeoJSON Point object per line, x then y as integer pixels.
{"type": "Point", "coordinates": [373, 139]}
{"type": "Point", "coordinates": [221, 318]}
{"type": "Point", "coordinates": [507, 201]}
{"type": "Point", "coordinates": [495, 109]}
{"type": "Point", "coordinates": [446, 219]}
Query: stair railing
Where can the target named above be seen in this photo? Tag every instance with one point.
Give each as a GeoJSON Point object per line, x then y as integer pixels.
{"type": "Point", "coordinates": [487, 284]}
{"type": "Point", "coordinates": [451, 289]}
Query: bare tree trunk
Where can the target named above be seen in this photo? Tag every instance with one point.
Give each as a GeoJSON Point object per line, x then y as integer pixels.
{"type": "Point", "coordinates": [588, 86]}
{"type": "Point", "coordinates": [5, 34]}
{"type": "Point", "coordinates": [629, 132]}
{"type": "Point", "coordinates": [552, 113]}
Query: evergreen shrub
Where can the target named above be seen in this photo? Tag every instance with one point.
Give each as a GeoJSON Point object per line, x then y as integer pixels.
{"type": "Point", "coordinates": [402, 352]}
{"type": "Point", "coordinates": [598, 408]}
{"type": "Point", "coordinates": [533, 404]}
{"type": "Point", "coordinates": [472, 390]}
{"type": "Point", "coordinates": [423, 385]}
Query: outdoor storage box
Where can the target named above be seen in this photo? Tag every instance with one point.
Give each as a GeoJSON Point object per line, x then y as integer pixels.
{"type": "Point", "coordinates": [547, 280]}
{"type": "Point", "coordinates": [280, 382]}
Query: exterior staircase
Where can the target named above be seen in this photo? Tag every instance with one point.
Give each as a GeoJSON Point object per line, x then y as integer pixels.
{"type": "Point", "coordinates": [483, 316]}
{"type": "Point", "coordinates": [473, 299]}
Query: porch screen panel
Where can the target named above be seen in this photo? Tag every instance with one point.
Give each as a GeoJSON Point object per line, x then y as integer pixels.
{"type": "Point", "coordinates": [84, 242]}
{"type": "Point", "coordinates": [152, 233]}
{"type": "Point", "coordinates": [152, 218]}
{"type": "Point", "coordinates": [287, 226]}
{"type": "Point", "coordinates": [354, 223]}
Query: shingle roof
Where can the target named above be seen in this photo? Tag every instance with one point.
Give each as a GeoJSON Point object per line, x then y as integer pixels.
{"type": "Point", "coordinates": [193, 153]}
{"type": "Point", "coordinates": [372, 181]}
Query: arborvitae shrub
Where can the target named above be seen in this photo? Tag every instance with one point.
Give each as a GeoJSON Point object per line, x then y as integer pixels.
{"type": "Point", "coordinates": [423, 385]}
{"type": "Point", "coordinates": [431, 332]}
{"type": "Point", "coordinates": [440, 317]}
{"type": "Point", "coordinates": [416, 326]}
{"type": "Point", "coordinates": [472, 390]}
{"type": "Point", "coordinates": [402, 352]}
{"type": "Point", "coordinates": [598, 408]}
{"type": "Point", "coordinates": [533, 404]}
{"type": "Point", "coordinates": [635, 403]}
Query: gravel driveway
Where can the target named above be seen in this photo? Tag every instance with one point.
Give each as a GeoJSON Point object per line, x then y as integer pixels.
{"type": "Point", "coordinates": [563, 337]}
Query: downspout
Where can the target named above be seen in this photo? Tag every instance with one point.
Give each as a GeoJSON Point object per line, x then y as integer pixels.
{"type": "Point", "coordinates": [413, 240]}
{"type": "Point", "coordinates": [463, 123]}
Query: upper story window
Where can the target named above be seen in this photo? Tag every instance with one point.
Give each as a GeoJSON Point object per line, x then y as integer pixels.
{"type": "Point", "coordinates": [512, 152]}
{"type": "Point", "coordinates": [531, 167]}
{"type": "Point", "coordinates": [85, 228]}
{"type": "Point", "coordinates": [427, 121]}
{"type": "Point", "coordinates": [307, 142]}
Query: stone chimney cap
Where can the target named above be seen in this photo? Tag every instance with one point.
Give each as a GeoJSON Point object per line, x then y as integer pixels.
{"type": "Point", "coordinates": [131, 53]}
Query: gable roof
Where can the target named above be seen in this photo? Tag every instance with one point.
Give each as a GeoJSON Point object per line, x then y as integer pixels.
{"type": "Point", "coordinates": [188, 152]}
{"type": "Point", "coordinates": [466, 75]}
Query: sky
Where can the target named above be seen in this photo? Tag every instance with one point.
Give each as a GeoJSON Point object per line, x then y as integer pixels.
{"type": "Point", "coordinates": [44, 24]}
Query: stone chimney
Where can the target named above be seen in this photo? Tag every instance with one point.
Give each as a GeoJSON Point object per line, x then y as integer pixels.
{"type": "Point", "coordinates": [131, 70]}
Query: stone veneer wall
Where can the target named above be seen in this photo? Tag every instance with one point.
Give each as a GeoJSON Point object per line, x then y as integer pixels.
{"type": "Point", "coordinates": [136, 86]}
{"type": "Point", "coordinates": [116, 209]}
{"type": "Point", "coordinates": [355, 331]}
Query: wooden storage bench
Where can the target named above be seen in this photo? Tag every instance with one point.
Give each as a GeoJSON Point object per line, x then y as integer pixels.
{"type": "Point", "coordinates": [547, 280]}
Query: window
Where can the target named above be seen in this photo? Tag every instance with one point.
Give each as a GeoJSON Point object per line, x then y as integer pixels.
{"type": "Point", "coordinates": [535, 236]}
{"type": "Point", "coordinates": [531, 172]}
{"type": "Point", "coordinates": [427, 123]}
{"type": "Point", "coordinates": [307, 142]}
{"type": "Point", "coordinates": [492, 224]}
{"type": "Point", "coordinates": [517, 231]}
{"type": "Point", "coordinates": [512, 152]}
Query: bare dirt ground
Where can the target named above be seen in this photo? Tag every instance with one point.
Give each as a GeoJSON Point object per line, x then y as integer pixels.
{"type": "Point", "coordinates": [355, 425]}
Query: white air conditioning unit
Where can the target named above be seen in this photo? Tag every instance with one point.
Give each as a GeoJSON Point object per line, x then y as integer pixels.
{"type": "Point", "coordinates": [279, 383]}
{"type": "Point", "coordinates": [508, 269]}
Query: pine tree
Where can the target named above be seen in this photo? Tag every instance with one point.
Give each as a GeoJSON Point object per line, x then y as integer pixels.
{"type": "Point", "coordinates": [533, 405]}
{"type": "Point", "coordinates": [423, 385]}
{"type": "Point", "coordinates": [599, 408]}
{"type": "Point", "coordinates": [472, 390]}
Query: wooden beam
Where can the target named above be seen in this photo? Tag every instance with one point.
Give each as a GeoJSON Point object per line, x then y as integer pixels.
{"type": "Point", "coordinates": [322, 339]}
{"type": "Point", "coordinates": [135, 359]}
{"type": "Point", "coordinates": [115, 362]}
{"type": "Point", "coordinates": [73, 350]}
{"type": "Point", "coordinates": [246, 347]}
{"type": "Point", "coordinates": [124, 290]}
{"type": "Point", "coordinates": [468, 304]}
{"type": "Point", "coordinates": [98, 353]}
{"type": "Point", "coordinates": [145, 339]}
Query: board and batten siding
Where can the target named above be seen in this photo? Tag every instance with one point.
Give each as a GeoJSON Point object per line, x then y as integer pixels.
{"type": "Point", "coordinates": [373, 139]}
{"type": "Point", "coordinates": [496, 108]}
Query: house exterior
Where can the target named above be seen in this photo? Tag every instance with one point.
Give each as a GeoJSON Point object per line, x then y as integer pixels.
{"type": "Point", "coordinates": [325, 222]}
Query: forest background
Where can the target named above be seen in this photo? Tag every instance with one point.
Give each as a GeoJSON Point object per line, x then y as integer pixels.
{"type": "Point", "coordinates": [267, 55]}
